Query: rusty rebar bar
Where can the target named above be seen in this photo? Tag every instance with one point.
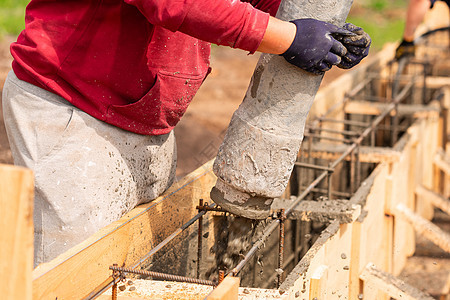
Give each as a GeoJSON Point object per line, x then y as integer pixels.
{"type": "Point", "coordinates": [395, 121]}
{"type": "Point", "coordinates": [114, 292]}
{"type": "Point", "coordinates": [312, 166]}
{"type": "Point", "coordinates": [329, 138]}
{"type": "Point", "coordinates": [115, 275]}
{"type": "Point", "coordinates": [273, 225]}
{"type": "Point", "coordinates": [221, 276]}
{"type": "Point", "coordinates": [199, 239]}
{"type": "Point", "coordinates": [172, 236]}
{"type": "Point", "coordinates": [352, 172]}
{"type": "Point", "coordinates": [206, 207]}
{"type": "Point", "coordinates": [357, 166]}
{"type": "Point", "coordinates": [346, 122]}
{"type": "Point", "coordinates": [329, 185]}
{"type": "Point", "coordinates": [163, 276]}
{"type": "Point", "coordinates": [343, 132]}
{"type": "Point", "coordinates": [280, 271]}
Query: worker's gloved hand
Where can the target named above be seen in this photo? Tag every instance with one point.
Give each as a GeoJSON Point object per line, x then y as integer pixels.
{"type": "Point", "coordinates": [314, 48]}
{"type": "Point", "coordinates": [405, 49]}
{"type": "Point", "coordinates": [433, 1]}
{"type": "Point", "coordinates": [357, 45]}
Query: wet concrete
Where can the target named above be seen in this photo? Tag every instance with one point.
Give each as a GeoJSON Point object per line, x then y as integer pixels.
{"type": "Point", "coordinates": [266, 131]}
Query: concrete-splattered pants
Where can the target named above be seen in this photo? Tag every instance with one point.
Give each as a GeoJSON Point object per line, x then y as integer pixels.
{"type": "Point", "coordinates": [87, 173]}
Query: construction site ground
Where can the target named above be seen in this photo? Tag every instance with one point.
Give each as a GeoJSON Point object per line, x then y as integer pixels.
{"type": "Point", "coordinates": [201, 130]}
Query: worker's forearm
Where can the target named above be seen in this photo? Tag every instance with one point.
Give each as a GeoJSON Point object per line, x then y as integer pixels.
{"type": "Point", "coordinates": [416, 12]}
{"type": "Point", "coordinates": [278, 36]}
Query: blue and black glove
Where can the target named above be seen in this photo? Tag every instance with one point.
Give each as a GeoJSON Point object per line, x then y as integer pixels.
{"type": "Point", "coordinates": [314, 48]}
{"type": "Point", "coordinates": [357, 45]}
{"type": "Point", "coordinates": [405, 49]}
{"type": "Point", "coordinates": [433, 1]}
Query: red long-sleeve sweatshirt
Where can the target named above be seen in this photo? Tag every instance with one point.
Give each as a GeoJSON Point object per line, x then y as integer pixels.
{"type": "Point", "coordinates": [135, 64]}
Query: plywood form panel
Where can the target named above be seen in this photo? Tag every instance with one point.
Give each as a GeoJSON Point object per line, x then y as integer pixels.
{"type": "Point", "coordinates": [75, 273]}
{"type": "Point", "coordinates": [16, 232]}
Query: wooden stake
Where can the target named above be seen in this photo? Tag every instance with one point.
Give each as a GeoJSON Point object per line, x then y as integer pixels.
{"type": "Point", "coordinates": [391, 285]}
{"type": "Point", "coordinates": [442, 161]}
{"type": "Point", "coordinates": [16, 232]}
{"type": "Point", "coordinates": [227, 290]}
{"type": "Point", "coordinates": [435, 199]}
{"type": "Point", "coordinates": [425, 227]}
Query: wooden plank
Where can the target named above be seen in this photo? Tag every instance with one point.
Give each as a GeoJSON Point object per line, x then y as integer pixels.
{"type": "Point", "coordinates": [108, 297]}
{"type": "Point", "coordinates": [425, 227]}
{"type": "Point", "coordinates": [437, 200]}
{"type": "Point", "coordinates": [426, 131]}
{"type": "Point", "coordinates": [16, 232]}
{"type": "Point", "coordinates": [156, 289]}
{"type": "Point", "coordinates": [355, 258]}
{"type": "Point", "coordinates": [435, 82]}
{"type": "Point", "coordinates": [376, 108]}
{"type": "Point", "coordinates": [318, 283]}
{"type": "Point", "coordinates": [442, 161]}
{"type": "Point", "coordinates": [226, 290]}
{"type": "Point", "coordinates": [77, 272]}
{"type": "Point", "coordinates": [366, 154]}
{"type": "Point", "coordinates": [391, 285]}
{"type": "Point", "coordinates": [320, 211]}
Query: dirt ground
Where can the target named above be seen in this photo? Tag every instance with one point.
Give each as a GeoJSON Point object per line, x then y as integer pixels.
{"type": "Point", "coordinates": [201, 130]}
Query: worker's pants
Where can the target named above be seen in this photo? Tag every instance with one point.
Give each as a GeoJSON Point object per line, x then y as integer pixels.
{"type": "Point", "coordinates": [87, 173]}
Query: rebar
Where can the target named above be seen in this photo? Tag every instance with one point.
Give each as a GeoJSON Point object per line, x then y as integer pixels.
{"type": "Point", "coordinates": [114, 292]}
{"type": "Point", "coordinates": [329, 187]}
{"type": "Point", "coordinates": [115, 275]}
{"type": "Point", "coordinates": [311, 166]}
{"type": "Point", "coordinates": [346, 122]}
{"type": "Point", "coordinates": [273, 225]}
{"type": "Point", "coordinates": [172, 236]}
{"type": "Point", "coordinates": [199, 240]}
{"type": "Point", "coordinates": [357, 166]}
{"type": "Point", "coordinates": [221, 276]}
{"type": "Point", "coordinates": [352, 172]}
{"type": "Point", "coordinates": [322, 137]}
{"type": "Point", "coordinates": [280, 271]}
{"type": "Point", "coordinates": [343, 132]}
{"type": "Point", "coordinates": [206, 207]}
{"type": "Point", "coordinates": [163, 276]}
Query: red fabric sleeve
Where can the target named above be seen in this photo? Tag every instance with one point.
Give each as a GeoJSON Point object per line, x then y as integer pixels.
{"type": "Point", "coordinates": [224, 22]}
{"type": "Point", "coordinates": [268, 6]}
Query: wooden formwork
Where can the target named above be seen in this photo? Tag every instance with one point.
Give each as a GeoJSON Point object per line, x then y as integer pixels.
{"type": "Point", "coordinates": [348, 261]}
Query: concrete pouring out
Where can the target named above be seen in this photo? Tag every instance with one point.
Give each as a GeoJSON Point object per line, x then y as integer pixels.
{"type": "Point", "coordinates": [257, 155]}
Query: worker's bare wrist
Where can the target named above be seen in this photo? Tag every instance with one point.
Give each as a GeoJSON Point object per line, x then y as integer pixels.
{"type": "Point", "coordinates": [278, 37]}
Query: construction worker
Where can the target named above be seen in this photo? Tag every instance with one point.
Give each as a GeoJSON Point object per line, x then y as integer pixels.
{"type": "Point", "coordinates": [414, 16]}
{"type": "Point", "coordinates": [97, 87]}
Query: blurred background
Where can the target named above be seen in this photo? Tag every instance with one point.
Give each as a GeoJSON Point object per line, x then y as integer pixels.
{"type": "Point", "coordinates": [382, 19]}
{"type": "Point", "coordinates": [202, 128]}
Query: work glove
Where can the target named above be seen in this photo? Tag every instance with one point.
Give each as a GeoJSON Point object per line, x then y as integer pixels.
{"type": "Point", "coordinates": [314, 48]}
{"type": "Point", "coordinates": [405, 49]}
{"type": "Point", "coordinates": [433, 1]}
{"type": "Point", "coordinates": [357, 46]}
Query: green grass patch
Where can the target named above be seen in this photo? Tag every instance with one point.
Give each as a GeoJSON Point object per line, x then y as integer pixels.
{"type": "Point", "coordinates": [12, 16]}
{"type": "Point", "coordinates": [382, 31]}
{"type": "Point", "coordinates": [383, 20]}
